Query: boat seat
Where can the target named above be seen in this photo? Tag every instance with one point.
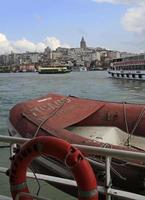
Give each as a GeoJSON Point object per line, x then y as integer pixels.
{"type": "Point", "coordinates": [109, 135]}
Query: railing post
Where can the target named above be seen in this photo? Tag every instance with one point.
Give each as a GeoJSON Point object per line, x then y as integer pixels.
{"type": "Point", "coordinates": [108, 176]}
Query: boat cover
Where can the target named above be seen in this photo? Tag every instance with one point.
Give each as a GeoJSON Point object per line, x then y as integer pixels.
{"type": "Point", "coordinates": [59, 111]}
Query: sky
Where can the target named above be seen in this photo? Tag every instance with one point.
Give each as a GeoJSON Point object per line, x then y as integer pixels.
{"type": "Point", "coordinates": [32, 25]}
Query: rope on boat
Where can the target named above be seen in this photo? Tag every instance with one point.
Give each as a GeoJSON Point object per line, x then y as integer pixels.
{"type": "Point", "coordinates": [138, 120]}
{"type": "Point", "coordinates": [136, 123]}
{"type": "Point", "coordinates": [94, 162]}
{"type": "Point", "coordinates": [107, 145]}
{"type": "Point", "coordinates": [125, 117]}
{"type": "Point", "coordinates": [51, 115]}
{"type": "Point", "coordinates": [37, 180]}
{"type": "Point", "coordinates": [117, 173]}
{"type": "Point", "coordinates": [41, 124]}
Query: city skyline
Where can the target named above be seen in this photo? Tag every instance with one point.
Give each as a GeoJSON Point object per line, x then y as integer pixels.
{"type": "Point", "coordinates": [32, 25]}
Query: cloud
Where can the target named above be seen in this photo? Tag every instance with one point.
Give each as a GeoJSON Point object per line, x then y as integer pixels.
{"type": "Point", "coordinates": [118, 1]}
{"type": "Point", "coordinates": [133, 19]}
{"type": "Point", "coordinates": [54, 43]}
{"type": "Point", "coordinates": [5, 45]}
{"type": "Point", "coordinates": [24, 45]}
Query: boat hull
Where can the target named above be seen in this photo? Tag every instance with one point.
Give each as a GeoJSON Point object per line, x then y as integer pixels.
{"type": "Point", "coordinates": [129, 75]}
{"type": "Point", "coordinates": [57, 115]}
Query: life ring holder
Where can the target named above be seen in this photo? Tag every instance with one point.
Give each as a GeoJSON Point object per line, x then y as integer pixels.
{"type": "Point", "coordinates": [60, 150]}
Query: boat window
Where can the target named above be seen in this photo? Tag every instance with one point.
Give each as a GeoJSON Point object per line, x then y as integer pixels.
{"type": "Point", "coordinates": [141, 57]}
{"type": "Point", "coordinates": [141, 67]}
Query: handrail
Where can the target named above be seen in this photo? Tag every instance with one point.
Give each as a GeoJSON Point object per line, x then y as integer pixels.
{"type": "Point", "coordinates": [106, 152]}
{"type": "Point", "coordinates": [12, 140]}
{"type": "Point", "coordinates": [116, 153]}
{"type": "Point", "coordinates": [101, 189]}
{"type": "Point", "coordinates": [89, 149]}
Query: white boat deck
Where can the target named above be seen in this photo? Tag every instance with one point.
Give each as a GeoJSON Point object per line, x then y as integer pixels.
{"type": "Point", "coordinates": [109, 135]}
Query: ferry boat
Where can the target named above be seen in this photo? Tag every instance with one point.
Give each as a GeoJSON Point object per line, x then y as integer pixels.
{"type": "Point", "coordinates": [53, 70]}
{"type": "Point", "coordinates": [132, 67]}
{"type": "Point", "coordinates": [93, 123]}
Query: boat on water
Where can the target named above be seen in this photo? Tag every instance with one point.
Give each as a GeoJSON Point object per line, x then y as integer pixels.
{"type": "Point", "coordinates": [132, 67]}
{"type": "Point", "coordinates": [53, 70]}
{"type": "Point", "coordinates": [93, 123]}
{"type": "Point", "coordinates": [83, 68]}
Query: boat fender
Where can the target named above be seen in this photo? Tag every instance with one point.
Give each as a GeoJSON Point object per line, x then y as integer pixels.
{"type": "Point", "coordinates": [60, 150]}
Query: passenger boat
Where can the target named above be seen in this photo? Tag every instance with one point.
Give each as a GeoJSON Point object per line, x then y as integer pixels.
{"type": "Point", "coordinates": [93, 123]}
{"type": "Point", "coordinates": [132, 67]}
{"type": "Point", "coordinates": [53, 70]}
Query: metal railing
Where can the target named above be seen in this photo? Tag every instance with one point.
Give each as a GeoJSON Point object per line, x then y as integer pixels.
{"type": "Point", "coordinates": [107, 189]}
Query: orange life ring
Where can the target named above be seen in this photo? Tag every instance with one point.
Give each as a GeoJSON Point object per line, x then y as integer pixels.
{"type": "Point", "coordinates": [61, 150]}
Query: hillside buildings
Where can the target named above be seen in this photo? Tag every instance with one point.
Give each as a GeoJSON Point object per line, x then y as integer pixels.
{"type": "Point", "coordinates": [91, 58]}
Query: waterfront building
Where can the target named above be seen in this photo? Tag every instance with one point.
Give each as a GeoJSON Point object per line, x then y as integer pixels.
{"type": "Point", "coordinates": [57, 55]}
{"type": "Point", "coordinates": [96, 56]}
{"type": "Point", "coordinates": [113, 54]}
{"type": "Point", "coordinates": [76, 56]}
{"type": "Point", "coordinates": [47, 53]}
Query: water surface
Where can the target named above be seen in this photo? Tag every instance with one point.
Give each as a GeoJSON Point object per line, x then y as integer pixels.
{"type": "Point", "coordinates": [17, 87]}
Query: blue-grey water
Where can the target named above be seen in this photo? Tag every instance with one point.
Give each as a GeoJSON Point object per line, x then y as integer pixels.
{"type": "Point", "coordinates": [17, 87]}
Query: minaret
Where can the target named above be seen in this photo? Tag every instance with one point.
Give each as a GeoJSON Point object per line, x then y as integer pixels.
{"type": "Point", "coordinates": [83, 43]}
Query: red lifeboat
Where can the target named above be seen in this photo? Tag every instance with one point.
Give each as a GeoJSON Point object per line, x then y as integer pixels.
{"type": "Point", "coordinates": [90, 122]}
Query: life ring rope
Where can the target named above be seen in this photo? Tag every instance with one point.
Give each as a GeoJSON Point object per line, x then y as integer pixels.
{"type": "Point", "coordinates": [60, 150]}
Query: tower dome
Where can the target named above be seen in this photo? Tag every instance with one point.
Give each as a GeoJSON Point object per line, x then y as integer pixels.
{"type": "Point", "coordinates": [83, 43]}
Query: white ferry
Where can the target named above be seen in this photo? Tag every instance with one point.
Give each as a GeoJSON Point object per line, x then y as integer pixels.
{"type": "Point", "coordinates": [132, 67]}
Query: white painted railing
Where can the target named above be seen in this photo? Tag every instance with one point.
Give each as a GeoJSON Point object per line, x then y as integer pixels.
{"type": "Point", "coordinates": [107, 189]}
